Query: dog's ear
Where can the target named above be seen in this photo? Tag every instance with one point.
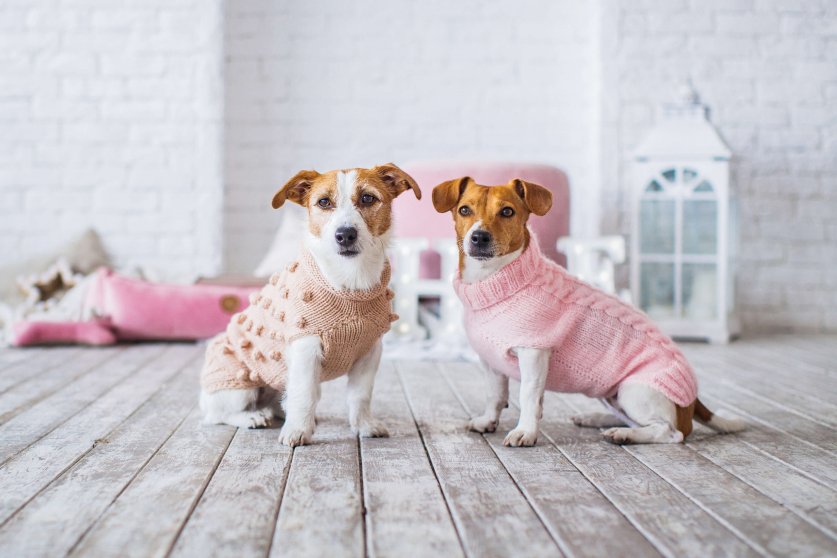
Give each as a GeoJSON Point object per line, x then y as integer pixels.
{"type": "Point", "coordinates": [446, 195]}
{"type": "Point", "coordinates": [295, 189]}
{"type": "Point", "coordinates": [396, 180]}
{"type": "Point", "coordinates": [537, 198]}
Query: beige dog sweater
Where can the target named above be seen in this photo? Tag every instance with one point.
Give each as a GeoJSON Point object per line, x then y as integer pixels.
{"type": "Point", "coordinates": [296, 303]}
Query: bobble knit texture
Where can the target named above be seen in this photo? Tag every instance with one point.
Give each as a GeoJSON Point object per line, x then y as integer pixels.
{"type": "Point", "coordinates": [296, 303]}
{"type": "Point", "coordinates": [597, 341]}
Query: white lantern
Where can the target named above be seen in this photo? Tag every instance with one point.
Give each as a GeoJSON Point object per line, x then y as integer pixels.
{"type": "Point", "coordinates": [682, 268]}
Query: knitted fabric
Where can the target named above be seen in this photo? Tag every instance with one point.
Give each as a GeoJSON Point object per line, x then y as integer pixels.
{"type": "Point", "coordinates": [296, 303]}
{"type": "Point", "coordinates": [597, 341]}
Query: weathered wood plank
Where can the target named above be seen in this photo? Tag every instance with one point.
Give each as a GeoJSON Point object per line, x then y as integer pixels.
{"type": "Point", "coordinates": [751, 372]}
{"type": "Point", "coordinates": [492, 516]}
{"type": "Point", "coordinates": [54, 520]}
{"type": "Point", "coordinates": [26, 394]}
{"type": "Point", "coordinates": [670, 520]}
{"type": "Point", "coordinates": [236, 515]}
{"type": "Point", "coordinates": [406, 514]}
{"type": "Point", "coordinates": [770, 414]}
{"type": "Point", "coordinates": [41, 361]}
{"type": "Point", "coordinates": [573, 509]}
{"type": "Point", "coordinates": [321, 513]}
{"type": "Point", "coordinates": [809, 499]}
{"type": "Point", "coordinates": [31, 470]}
{"type": "Point", "coordinates": [736, 504]}
{"type": "Point", "coordinates": [146, 518]}
{"type": "Point", "coordinates": [34, 422]}
{"type": "Point", "coordinates": [14, 355]}
{"type": "Point", "coordinates": [818, 349]}
{"type": "Point", "coordinates": [728, 376]}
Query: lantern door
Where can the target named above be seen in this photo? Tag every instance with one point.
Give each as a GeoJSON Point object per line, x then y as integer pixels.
{"type": "Point", "coordinates": [679, 249]}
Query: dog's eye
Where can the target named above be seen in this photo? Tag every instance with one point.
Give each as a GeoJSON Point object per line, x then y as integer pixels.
{"type": "Point", "coordinates": [507, 212]}
{"type": "Point", "coordinates": [324, 203]}
{"type": "Point", "coordinates": [464, 210]}
{"type": "Point", "coordinates": [368, 199]}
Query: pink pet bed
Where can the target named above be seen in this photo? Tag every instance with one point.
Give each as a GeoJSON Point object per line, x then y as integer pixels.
{"type": "Point", "coordinates": [132, 310]}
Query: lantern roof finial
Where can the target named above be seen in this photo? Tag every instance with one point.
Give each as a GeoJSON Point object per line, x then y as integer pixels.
{"type": "Point", "coordinates": [683, 131]}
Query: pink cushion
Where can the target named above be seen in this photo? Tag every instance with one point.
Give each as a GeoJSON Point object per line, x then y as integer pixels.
{"type": "Point", "coordinates": [142, 310]}
{"type": "Point", "coordinates": [94, 332]}
{"type": "Point", "coordinates": [415, 218]}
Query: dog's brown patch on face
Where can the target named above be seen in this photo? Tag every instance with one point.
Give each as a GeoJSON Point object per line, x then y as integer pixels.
{"type": "Point", "coordinates": [324, 187]}
{"type": "Point", "coordinates": [487, 204]}
{"type": "Point", "coordinates": [378, 214]}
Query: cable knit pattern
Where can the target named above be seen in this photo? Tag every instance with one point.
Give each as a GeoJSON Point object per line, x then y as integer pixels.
{"type": "Point", "coordinates": [296, 303]}
{"type": "Point", "coordinates": [597, 341]}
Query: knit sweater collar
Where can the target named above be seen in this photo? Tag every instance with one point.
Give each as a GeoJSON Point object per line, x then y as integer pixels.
{"type": "Point", "coordinates": [524, 270]}
{"type": "Point", "coordinates": [311, 268]}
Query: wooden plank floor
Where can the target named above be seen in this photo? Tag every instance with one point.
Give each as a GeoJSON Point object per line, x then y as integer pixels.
{"type": "Point", "coordinates": [102, 453]}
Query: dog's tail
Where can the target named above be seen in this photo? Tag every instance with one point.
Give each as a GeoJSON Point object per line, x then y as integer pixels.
{"type": "Point", "coordinates": [728, 423]}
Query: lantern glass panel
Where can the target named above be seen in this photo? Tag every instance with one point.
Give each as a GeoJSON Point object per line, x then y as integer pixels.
{"type": "Point", "coordinates": [657, 289]}
{"type": "Point", "coordinates": [669, 175]}
{"type": "Point", "coordinates": [689, 175]}
{"type": "Point", "coordinates": [653, 186]}
{"type": "Point", "coordinates": [700, 291]}
{"type": "Point", "coordinates": [700, 226]}
{"type": "Point", "coordinates": [656, 223]}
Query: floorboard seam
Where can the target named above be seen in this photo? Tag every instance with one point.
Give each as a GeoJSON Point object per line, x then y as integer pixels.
{"type": "Point", "coordinates": [286, 473]}
{"type": "Point", "coordinates": [128, 483]}
{"type": "Point", "coordinates": [91, 448]}
{"type": "Point", "coordinates": [9, 415]}
{"type": "Point", "coordinates": [200, 494]}
{"type": "Point", "coordinates": [554, 536]}
{"type": "Point", "coordinates": [793, 509]}
{"type": "Point", "coordinates": [456, 525]}
{"type": "Point", "coordinates": [71, 415]}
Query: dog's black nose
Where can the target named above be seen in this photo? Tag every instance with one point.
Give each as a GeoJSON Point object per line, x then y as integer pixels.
{"type": "Point", "coordinates": [480, 239]}
{"type": "Point", "coordinates": [346, 236]}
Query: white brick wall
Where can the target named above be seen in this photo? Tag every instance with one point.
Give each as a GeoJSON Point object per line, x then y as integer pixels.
{"type": "Point", "coordinates": [329, 84]}
{"type": "Point", "coordinates": [111, 117]}
{"type": "Point", "coordinates": [768, 68]}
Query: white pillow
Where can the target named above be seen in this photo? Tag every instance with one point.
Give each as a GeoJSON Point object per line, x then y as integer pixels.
{"type": "Point", "coordinates": [285, 246]}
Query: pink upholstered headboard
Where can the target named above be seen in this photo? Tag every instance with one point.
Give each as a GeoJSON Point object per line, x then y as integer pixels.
{"type": "Point", "coordinates": [415, 218]}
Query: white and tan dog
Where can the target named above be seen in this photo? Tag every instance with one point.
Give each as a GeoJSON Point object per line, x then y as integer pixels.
{"type": "Point", "coordinates": [528, 318]}
{"type": "Point", "coordinates": [349, 219]}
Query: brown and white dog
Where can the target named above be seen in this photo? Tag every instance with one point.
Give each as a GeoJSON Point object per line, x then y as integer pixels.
{"type": "Point", "coordinates": [348, 232]}
{"type": "Point", "coordinates": [491, 230]}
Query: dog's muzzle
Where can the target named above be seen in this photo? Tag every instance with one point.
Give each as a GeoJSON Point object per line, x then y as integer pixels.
{"type": "Point", "coordinates": [481, 245]}
{"type": "Point", "coordinates": [346, 238]}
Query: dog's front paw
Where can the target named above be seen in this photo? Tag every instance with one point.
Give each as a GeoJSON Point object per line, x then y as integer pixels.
{"type": "Point", "coordinates": [520, 437]}
{"type": "Point", "coordinates": [292, 436]}
{"type": "Point", "coordinates": [371, 429]}
{"type": "Point", "coordinates": [482, 424]}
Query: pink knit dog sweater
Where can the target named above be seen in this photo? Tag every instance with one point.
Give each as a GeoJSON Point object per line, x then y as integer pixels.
{"type": "Point", "coordinates": [597, 341]}
{"type": "Point", "coordinates": [296, 303]}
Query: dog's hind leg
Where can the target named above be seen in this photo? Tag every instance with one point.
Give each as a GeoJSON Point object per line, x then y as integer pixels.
{"type": "Point", "coordinates": [236, 407]}
{"type": "Point", "coordinates": [270, 400]}
{"type": "Point", "coordinates": [597, 420]}
{"type": "Point", "coordinates": [653, 412]}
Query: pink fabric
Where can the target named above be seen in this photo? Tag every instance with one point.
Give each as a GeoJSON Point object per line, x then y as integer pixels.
{"type": "Point", "coordinates": [597, 341]}
{"type": "Point", "coordinates": [414, 218]}
{"type": "Point", "coordinates": [142, 310]}
{"type": "Point", "coordinates": [93, 332]}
